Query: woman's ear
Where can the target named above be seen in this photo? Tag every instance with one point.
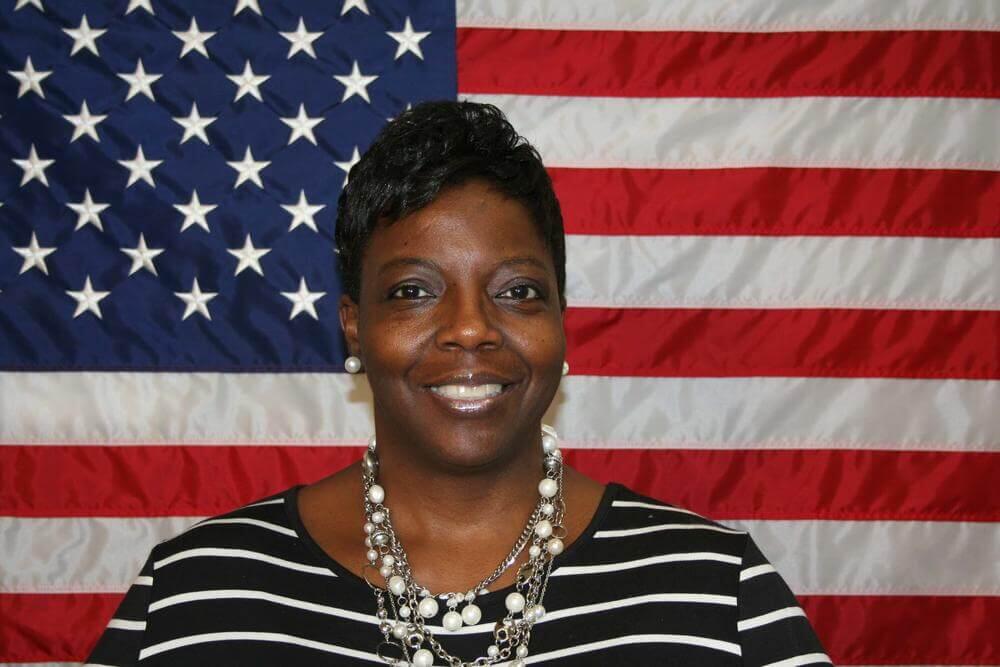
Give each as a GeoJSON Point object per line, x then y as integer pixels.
{"type": "Point", "coordinates": [348, 311]}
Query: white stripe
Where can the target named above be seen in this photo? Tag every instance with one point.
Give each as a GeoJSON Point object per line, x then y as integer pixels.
{"type": "Point", "coordinates": [143, 581]}
{"type": "Point", "coordinates": [651, 413]}
{"type": "Point", "coordinates": [645, 530]}
{"type": "Point", "coordinates": [277, 637]}
{"type": "Point", "coordinates": [213, 552]}
{"type": "Point", "coordinates": [783, 272]}
{"type": "Point", "coordinates": [122, 624]}
{"type": "Point", "coordinates": [238, 594]}
{"type": "Point", "coordinates": [756, 571]}
{"type": "Point", "coordinates": [729, 16]}
{"type": "Point", "coordinates": [572, 570]}
{"type": "Point", "coordinates": [810, 659]}
{"type": "Point", "coordinates": [273, 501]}
{"type": "Point", "coordinates": [768, 618]}
{"type": "Point", "coordinates": [248, 522]}
{"type": "Point", "coordinates": [887, 557]}
{"type": "Point", "coordinates": [654, 598]}
{"type": "Point", "coordinates": [653, 506]}
{"type": "Point", "coordinates": [688, 640]}
{"type": "Point", "coordinates": [716, 132]}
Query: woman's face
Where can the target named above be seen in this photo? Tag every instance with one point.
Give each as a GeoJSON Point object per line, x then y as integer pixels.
{"type": "Point", "coordinates": [459, 327]}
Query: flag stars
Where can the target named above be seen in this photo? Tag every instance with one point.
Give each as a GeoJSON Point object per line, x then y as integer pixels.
{"type": "Point", "coordinates": [194, 125]}
{"type": "Point", "coordinates": [34, 168]}
{"type": "Point", "coordinates": [303, 301]}
{"type": "Point", "coordinates": [252, 5]}
{"type": "Point", "coordinates": [302, 126]}
{"type": "Point", "coordinates": [360, 5]}
{"type": "Point", "coordinates": [34, 255]}
{"type": "Point", "coordinates": [84, 123]}
{"type": "Point", "coordinates": [194, 212]}
{"type": "Point", "coordinates": [142, 256]}
{"type": "Point", "coordinates": [84, 37]}
{"type": "Point", "coordinates": [248, 169]}
{"type": "Point", "coordinates": [196, 301]}
{"type": "Point", "coordinates": [87, 299]}
{"type": "Point", "coordinates": [88, 212]}
{"type": "Point", "coordinates": [194, 39]}
{"type": "Point", "coordinates": [303, 213]}
{"type": "Point", "coordinates": [408, 40]}
{"type": "Point", "coordinates": [248, 256]}
{"type": "Point", "coordinates": [140, 168]}
{"type": "Point", "coordinates": [30, 79]}
{"type": "Point", "coordinates": [301, 40]}
{"type": "Point", "coordinates": [140, 82]}
{"type": "Point", "coordinates": [349, 164]}
{"type": "Point", "coordinates": [248, 83]}
{"type": "Point", "coordinates": [34, 3]}
{"type": "Point", "coordinates": [355, 83]}
{"type": "Point", "coordinates": [139, 4]}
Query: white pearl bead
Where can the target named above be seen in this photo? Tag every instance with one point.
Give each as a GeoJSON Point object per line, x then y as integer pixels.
{"type": "Point", "coordinates": [536, 612]}
{"type": "Point", "coordinates": [548, 509]}
{"type": "Point", "coordinates": [376, 494]}
{"type": "Point", "coordinates": [352, 364]}
{"type": "Point", "coordinates": [389, 560]}
{"type": "Point", "coordinates": [372, 555]}
{"type": "Point", "coordinates": [493, 650]}
{"type": "Point", "coordinates": [555, 546]}
{"type": "Point", "coordinates": [547, 487]}
{"type": "Point", "coordinates": [471, 614]}
{"type": "Point", "coordinates": [522, 651]}
{"type": "Point", "coordinates": [378, 517]}
{"type": "Point", "coordinates": [428, 608]}
{"type": "Point", "coordinates": [549, 444]}
{"type": "Point", "coordinates": [452, 621]}
{"type": "Point", "coordinates": [534, 551]}
{"type": "Point", "coordinates": [423, 658]}
{"type": "Point", "coordinates": [543, 528]}
{"type": "Point", "coordinates": [368, 542]}
{"type": "Point", "coordinates": [517, 663]}
{"type": "Point", "coordinates": [514, 602]}
{"type": "Point", "coordinates": [404, 611]}
{"type": "Point", "coordinates": [399, 630]}
{"type": "Point", "coordinates": [385, 571]}
{"type": "Point", "coordinates": [397, 585]}
{"type": "Point", "coordinates": [369, 527]}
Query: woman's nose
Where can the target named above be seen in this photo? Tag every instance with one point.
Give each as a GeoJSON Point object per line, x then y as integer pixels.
{"type": "Point", "coordinates": [467, 322]}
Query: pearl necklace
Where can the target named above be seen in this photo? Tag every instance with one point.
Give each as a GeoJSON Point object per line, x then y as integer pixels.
{"type": "Point", "coordinates": [404, 606]}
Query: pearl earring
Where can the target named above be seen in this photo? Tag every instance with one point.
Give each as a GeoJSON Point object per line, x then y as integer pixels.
{"type": "Point", "coordinates": [565, 370]}
{"type": "Point", "coordinates": [352, 364]}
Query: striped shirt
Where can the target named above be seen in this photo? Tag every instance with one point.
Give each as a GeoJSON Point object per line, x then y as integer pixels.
{"type": "Point", "coordinates": [646, 583]}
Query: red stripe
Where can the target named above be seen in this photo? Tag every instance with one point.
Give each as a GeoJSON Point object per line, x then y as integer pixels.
{"type": "Point", "coordinates": [855, 630]}
{"type": "Point", "coordinates": [780, 342]}
{"type": "Point", "coordinates": [716, 64]}
{"type": "Point", "coordinates": [780, 202]}
{"type": "Point", "coordinates": [42, 481]}
{"type": "Point", "coordinates": [899, 630]}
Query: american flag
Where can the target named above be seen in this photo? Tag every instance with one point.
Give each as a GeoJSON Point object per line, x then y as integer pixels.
{"type": "Point", "coordinates": [783, 254]}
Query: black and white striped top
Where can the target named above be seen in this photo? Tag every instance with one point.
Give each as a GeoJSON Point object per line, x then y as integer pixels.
{"type": "Point", "coordinates": [646, 584]}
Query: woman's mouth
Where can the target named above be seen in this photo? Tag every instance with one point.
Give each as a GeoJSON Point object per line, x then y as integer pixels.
{"type": "Point", "coordinates": [468, 392]}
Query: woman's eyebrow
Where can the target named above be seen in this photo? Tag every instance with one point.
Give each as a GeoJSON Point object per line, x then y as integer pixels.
{"type": "Point", "coordinates": [531, 261]}
{"type": "Point", "coordinates": [408, 261]}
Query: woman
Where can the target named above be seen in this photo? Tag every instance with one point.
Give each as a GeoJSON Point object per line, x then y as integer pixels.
{"type": "Point", "coordinates": [460, 538]}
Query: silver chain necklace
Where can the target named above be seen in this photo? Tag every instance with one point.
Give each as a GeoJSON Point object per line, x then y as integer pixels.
{"type": "Point", "coordinates": [405, 607]}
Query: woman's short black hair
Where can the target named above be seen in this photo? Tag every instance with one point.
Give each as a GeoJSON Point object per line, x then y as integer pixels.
{"type": "Point", "coordinates": [428, 149]}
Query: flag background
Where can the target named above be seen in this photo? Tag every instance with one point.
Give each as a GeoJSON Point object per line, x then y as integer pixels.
{"type": "Point", "coordinates": [782, 276]}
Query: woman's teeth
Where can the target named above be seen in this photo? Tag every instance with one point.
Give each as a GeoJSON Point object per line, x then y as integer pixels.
{"type": "Point", "coordinates": [467, 392]}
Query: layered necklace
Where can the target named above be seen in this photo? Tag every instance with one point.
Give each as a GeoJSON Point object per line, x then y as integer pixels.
{"type": "Point", "coordinates": [405, 607]}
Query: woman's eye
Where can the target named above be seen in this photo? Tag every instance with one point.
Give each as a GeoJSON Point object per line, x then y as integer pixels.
{"type": "Point", "coordinates": [409, 292]}
{"type": "Point", "coordinates": [520, 293]}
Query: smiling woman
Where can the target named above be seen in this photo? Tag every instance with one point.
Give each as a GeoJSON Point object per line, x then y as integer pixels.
{"type": "Point", "coordinates": [460, 538]}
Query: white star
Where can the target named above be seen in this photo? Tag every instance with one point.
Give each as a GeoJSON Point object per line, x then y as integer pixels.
{"type": "Point", "coordinates": [346, 166]}
{"type": "Point", "coordinates": [360, 5]}
{"type": "Point", "coordinates": [196, 301]}
{"type": "Point", "coordinates": [193, 39]}
{"type": "Point", "coordinates": [140, 82]}
{"type": "Point", "coordinates": [303, 212]}
{"type": "Point", "coordinates": [29, 78]}
{"type": "Point", "coordinates": [303, 301]}
{"type": "Point", "coordinates": [194, 212]}
{"type": "Point", "coordinates": [87, 299]}
{"type": "Point", "coordinates": [248, 169]}
{"type": "Point", "coordinates": [140, 168]}
{"type": "Point", "coordinates": [34, 167]}
{"type": "Point", "coordinates": [84, 123]}
{"type": "Point", "coordinates": [247, 82]}
{"type": "Point", "coordinates": [142, 257]}
{"type": "Point", "coordinates": [84, 37]}
{"type": "Point", "coordinates": [302, 126]}
{"type": "Point", "coordinates": [34, 255]}
{"type": "Point", "coordinates": [301, 40]}
{"type": "Point", "coordinates": [88, 211]}
{"type": "Point", "coordinates": [252, 5]}
{"type": "Point", "coordinates": [194, 125]}
{"type": "Point", "coordinates": [137, 4]}
{"type": "Point", "coordinates": [355, 83]}
{"type": "Point", "coordinates": [249, 256]}
{"type": "Point", "coordinates": [25, 3]}
{"type": "Point", "coordinates": [409, 40]}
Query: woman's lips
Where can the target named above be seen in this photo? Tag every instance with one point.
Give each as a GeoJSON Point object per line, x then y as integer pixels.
{"type": "Point", "coordinates": [470, 399]}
